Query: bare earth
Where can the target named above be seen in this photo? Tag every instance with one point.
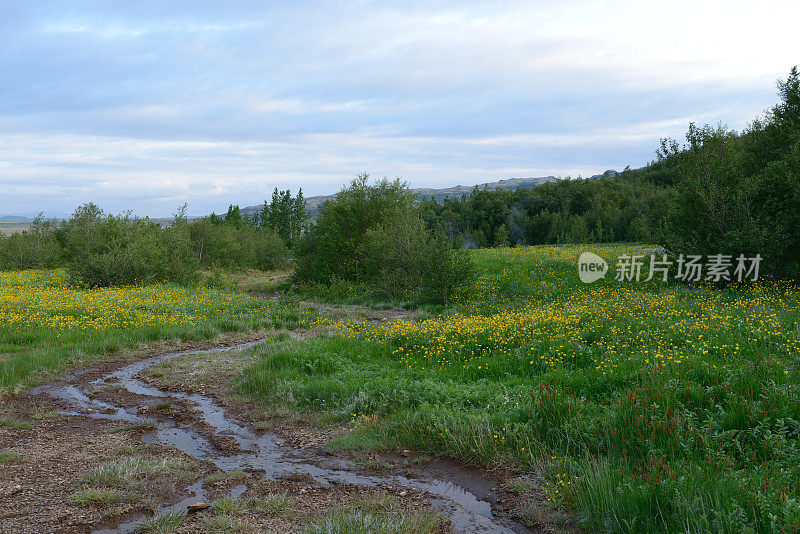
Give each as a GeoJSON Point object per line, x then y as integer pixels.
{"type": "Point", "coordinates": [52, 444]}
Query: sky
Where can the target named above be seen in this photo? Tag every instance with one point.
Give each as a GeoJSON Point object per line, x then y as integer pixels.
{"type": "Point", "coordinates": [147, 105]}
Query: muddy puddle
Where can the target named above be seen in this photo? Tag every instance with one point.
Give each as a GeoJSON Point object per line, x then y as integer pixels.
{"type": "Point", "coordinates": [461, 496]}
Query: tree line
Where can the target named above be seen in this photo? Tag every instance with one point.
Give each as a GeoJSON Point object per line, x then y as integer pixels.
{"type": "Point", "coordinates": [103, 249]}
{"type": "Point", "coordinates": [720, 192]}
{"type": "Point", "coordinates": [285, 215]}
{"type": "Point", "coordinates": [370, 238]}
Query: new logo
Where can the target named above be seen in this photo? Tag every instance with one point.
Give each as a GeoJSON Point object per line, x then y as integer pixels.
{"type": "Point", "coordinates": [591, 267]}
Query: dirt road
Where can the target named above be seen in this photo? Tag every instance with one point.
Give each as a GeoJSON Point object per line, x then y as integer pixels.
{"type": "Point", "coordinates": [110, 447]}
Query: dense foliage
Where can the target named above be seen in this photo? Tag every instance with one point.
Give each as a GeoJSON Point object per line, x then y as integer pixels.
{"type": "Point", "coordinates": [35, 247]}
{"type": "Point", "coordinates": [741, 193]}
{"type": "Point", "coordinates": [106, 250]}
{"type": "Point", "coordinates": [720, 193]}
{"type": "Point", "coordinates": [373, 234]}
{"type": "Point", "coordinates": [565, 211]}
{"type": "Point", "coordinates": [284, 214]}
{"type": "Point", "coordinates": [99, 249]}
{"type": "Point", "coordinates": [230, 243]}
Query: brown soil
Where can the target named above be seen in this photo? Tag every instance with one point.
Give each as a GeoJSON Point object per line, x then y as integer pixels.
{"type": "Point", "coordinates": [37, 493]}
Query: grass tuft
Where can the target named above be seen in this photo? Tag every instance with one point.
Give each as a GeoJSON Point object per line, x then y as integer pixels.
{"type": "Point", "coordinates": [229, 505]}
{"type": "Point", "coordinates": [10, 457]}
{"type": "Point", "coordinates": [15, 424]}
{"type": "Point", "coordinates": [372, 519]}
{"type": "Point", "coordinates": [274, 503]}
{"type": "Point", "coordinates": [96, 496]}
{"type": "Point", "coordinates": [162, 523]}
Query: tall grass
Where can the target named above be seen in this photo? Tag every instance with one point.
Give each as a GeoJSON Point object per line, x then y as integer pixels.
{"type": "Point", "coordinates": [641, 407]}
{"type": "Point", "coordinates": [48, 325]}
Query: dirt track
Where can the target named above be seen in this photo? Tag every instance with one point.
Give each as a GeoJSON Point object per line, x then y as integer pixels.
{"type": "Point", "coordinates": [113, 411]}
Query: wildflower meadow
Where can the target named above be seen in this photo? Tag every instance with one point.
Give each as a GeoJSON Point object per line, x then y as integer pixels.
{"type": "Point", "coordinates": [638, 406]}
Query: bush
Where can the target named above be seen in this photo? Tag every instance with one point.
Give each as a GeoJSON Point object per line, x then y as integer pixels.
{"type": "Point", "coordinates": [374, 234]}
{"type": "Point", "coordinates": [332, 247]}
{"type": "Point", "coordinates": [263, 248]}
{"type": "Point", "coordinates": [738, 194]}
{"type": "Point", "coordinates": [33, 248]}
{"type": "Point", "coordinates": [403, 257]}
{"type": "Point", "coordinates": [108, 250]}
{"type": "Point", "coordinates": [236, 246]}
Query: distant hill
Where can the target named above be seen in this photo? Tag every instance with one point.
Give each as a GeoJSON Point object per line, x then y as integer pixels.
{"type": "Point", "coordinates": [461, 190]}
{"type": "Point", "coordinates": [29, 217]}
{"type": "Point", "coordinates": [14, 219]}
{"type": "Point", "coordinates": [610, 173]}
{"type": "Point", "coordinates": [313, 203]}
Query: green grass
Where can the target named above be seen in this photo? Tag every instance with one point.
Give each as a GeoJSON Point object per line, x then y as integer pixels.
{"type": "Point", "coordinates": [134, 479]}
{"type": "Point", "coordinates": [646, 407]}
{"type": "Point", "coordinates": [274, 503]}
{"type": "Point", "coordinates": [120, 473]}
{"type": "Point", "coordinates": [96, 496]}
{"type": "Point", "coordinates": [131, 450]}
{"type": "Point", "coordinates": [10, 457]}
{"type": "Point", "coordinates": [377, 516]}
{"type": "Point", "coordinates": [48, 326]}
{"type": "Point", "coordinates": [16, 424]}
{"type": "Point", "coordinates": [49, 414]}
{"type": "Point", "coordinates": [228, 505]}
{"type": "Point", "coordinates": [162, 523]}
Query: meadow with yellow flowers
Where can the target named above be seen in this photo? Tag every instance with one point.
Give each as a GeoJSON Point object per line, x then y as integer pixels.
{"type": "Point", "coordinates": [638, 407]}
{"type": "Point", "coordinates": [48, 324]}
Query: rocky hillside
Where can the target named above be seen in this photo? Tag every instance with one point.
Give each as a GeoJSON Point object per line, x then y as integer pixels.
{"type": "Point", "coordinates": [313, 203]}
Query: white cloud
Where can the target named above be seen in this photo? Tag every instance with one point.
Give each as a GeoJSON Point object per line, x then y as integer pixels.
{"type": "Point", "coordinates": [144, 105]}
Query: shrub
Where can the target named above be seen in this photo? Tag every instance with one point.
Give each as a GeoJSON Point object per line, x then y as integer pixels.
{"type": "Point", "coordinates": [108, 250]}
{"type": "Point", "coordinates": [332, 246]}
{"type": "Point", "coordinates": [403, 257]}
{"type": "Point", "coordinates": [374, 234]}
{"type": "Point", "coordinates": [263, 248]}
{"type": "Point", "coordinates": [214, 243]}
{"type": "Point", "coordinates": [33, 248]}
{"type": "Point", "coordinates": [239, 246]}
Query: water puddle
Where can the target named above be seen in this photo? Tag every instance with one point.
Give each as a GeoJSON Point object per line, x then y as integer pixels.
{"type": "Point", "coordinates": [450, 489]}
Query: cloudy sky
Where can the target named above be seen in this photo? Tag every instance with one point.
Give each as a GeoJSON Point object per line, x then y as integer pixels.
{"type": "Point", "coordinates": [146, 105]}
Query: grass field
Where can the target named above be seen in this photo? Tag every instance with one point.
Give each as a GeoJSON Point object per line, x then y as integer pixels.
{"type": "Point", "coordinates": [48, 325]}
{"type": "Point", "coordinates": [640, 407]}
{"type": "Point", "coordinates": [8, 228]}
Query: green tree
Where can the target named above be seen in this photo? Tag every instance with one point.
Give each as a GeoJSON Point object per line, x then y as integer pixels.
{"type": "Point", "coordinates": [110, 250]}
{"type": "Point", "coordinates": [373, 234]}
{"type": "Point", "coordinates": [741, 193]}
{"type": "Point", "coordinates": [234, 216]}
{"type": "Point", "coordinates": [501, 236]}
{"type": "Point", "coordinates": [286, 215]}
